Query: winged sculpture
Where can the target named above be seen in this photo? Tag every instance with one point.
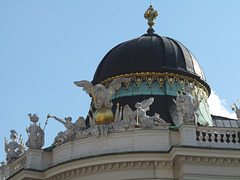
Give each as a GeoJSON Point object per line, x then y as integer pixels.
{"type": "Point", "coordinates": [101, 95]}
{"type": "Point", "coordinates": [139, 114]}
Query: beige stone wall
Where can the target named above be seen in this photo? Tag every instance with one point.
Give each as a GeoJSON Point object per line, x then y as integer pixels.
{"type": "Point", "coordinates": [138, 154]}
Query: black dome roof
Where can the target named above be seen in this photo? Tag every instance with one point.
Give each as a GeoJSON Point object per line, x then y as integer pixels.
{"type": "Point", "coordinates": [149, 53]}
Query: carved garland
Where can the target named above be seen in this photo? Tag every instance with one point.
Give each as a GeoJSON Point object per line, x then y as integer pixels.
{"type": "Point", "coordinates": [161, 78]}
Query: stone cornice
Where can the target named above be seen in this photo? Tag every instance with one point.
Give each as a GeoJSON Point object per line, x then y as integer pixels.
{"type": "Point", "coordinates": [110, 167]}
{"type": "Point", "coordinates": [207, 160]}
{"type": "Point", "coordinates": [176, 156]}
{"type": "Point", "coordinates": [140, 160]}
{"type": "Point", "coordinates": [204, 152]}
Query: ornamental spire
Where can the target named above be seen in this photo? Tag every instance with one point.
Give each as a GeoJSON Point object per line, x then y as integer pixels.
{"type": "Point", "coordinates": [150, 15]}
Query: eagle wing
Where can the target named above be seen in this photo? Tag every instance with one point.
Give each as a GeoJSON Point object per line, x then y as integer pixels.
{"type": "Point", "coordinates": [128, 113]}
{"type": "Point", "coordinates": [116, 84]}
{"type": "Point", "coordinates": [146, 103]}
{"type": "Point", "coordinates": [86, 85]}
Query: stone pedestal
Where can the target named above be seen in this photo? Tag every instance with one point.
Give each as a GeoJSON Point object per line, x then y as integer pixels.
{"type": "Point", "coordinates": [188, 135]}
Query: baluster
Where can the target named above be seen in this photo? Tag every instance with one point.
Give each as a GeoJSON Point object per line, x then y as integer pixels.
{"type": "Point", "coordinates": [215, 135]}
{"type": "Point", "coordinates": [206, 136]}
{"type": "Point", "coordinates": [218, 136]}
{"type": "Point", "coordinates": [236, 138]}
{"type": "Point", "coordinates": [230, 136]}
{"type": "Point", "coordinates": [200, 135]}
{"type": "Point", "coordinates": [224, 136]}
{"type": "Point", "coordinates": [211, 135]}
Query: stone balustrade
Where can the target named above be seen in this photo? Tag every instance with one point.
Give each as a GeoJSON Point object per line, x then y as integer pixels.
{"type": "Point", "coordinates": [214, 137]}
{"type": "Point", "coordinates": [218, 137]}
{"type": "Point", "coordinates": [16, 166]}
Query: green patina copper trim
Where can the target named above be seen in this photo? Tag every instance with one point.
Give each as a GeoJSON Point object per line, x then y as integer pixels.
{"type": "Point", "coordinates": [166, 89]}
{"type": "Point", "coordinates": [140, 79]}
{"type": "Point", "coordinates": [174, 128]}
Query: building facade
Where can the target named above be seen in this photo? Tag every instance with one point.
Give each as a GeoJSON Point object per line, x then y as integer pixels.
{"type": "Point", "coordinates": [149, 119]}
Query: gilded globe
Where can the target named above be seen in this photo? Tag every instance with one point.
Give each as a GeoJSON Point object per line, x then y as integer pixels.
{"type": "Point", "coordinates": [103, 116]}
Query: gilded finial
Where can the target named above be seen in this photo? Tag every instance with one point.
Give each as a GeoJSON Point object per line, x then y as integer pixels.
{"type": "Point", "coordinates": [235, 108]}
{"type": "Point", "coordinates": [150, 15]}
{"type": "Point", "coordinates": [235, 105]}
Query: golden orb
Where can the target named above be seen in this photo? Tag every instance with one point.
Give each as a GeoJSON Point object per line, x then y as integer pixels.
{"type": "Point", "coordinates": [103, 116]}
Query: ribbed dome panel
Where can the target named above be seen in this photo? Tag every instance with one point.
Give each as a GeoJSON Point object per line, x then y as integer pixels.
{"type": "Point", "coordinates": [149, 53]}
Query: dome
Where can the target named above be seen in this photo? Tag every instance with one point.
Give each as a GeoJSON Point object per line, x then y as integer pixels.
{"type": "Point", "coordinates": [156, 67]}
{"type": "Point", "coordinates": [149, 53]}
{"type": "Point", "coordinates": [159, 67]}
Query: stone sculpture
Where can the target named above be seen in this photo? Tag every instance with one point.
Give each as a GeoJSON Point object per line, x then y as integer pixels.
{"type": "Point", "coordinates": [187, 107]}
{"type": "Point", "coordinates": [130, 120]}
{"type": "Point", "coordinates": [238, 114]}
{"type": "Point", "coordinates": [237, 111]}
{"type": "Point", "coordinates": [101, 95]}
{"type": "Point", "coordinates": [95, 129]}
{"type": "Point", "coordinates": [102, 99]}
{"type": "Point", "coordinates": [35, 134]}
{"type": "Point", "coordinates": [71, 129]}
{"type": "Point", "coordinates": [139, 118]}
{"type": "Point", "coordinates": [13, 149]}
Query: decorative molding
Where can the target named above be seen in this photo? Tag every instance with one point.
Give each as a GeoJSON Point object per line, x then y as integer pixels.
{"type": "Point", "coordinates": [173, 159]}
{"type": "Point", "coordinates": [111, 166]}
{"type": "Point", "coordinates": [207, 160]}
{"type": "Point", "coordinates": [150, 77]}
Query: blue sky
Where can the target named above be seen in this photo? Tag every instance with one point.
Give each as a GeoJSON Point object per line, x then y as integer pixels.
{"type": "Point", "coordinates": [46, 45]}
